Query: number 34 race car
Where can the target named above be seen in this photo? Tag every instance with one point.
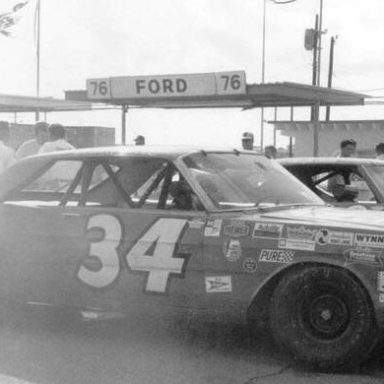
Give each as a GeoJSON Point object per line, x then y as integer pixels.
{"type": "Point", "coordinates": [226, 232]}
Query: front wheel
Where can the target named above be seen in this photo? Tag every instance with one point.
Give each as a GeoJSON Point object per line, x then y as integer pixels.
{"type": "Point", "coordinates": [323, 317]}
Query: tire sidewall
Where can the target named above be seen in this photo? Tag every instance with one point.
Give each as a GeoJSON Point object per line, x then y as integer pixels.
{"type": "Point", "coordinates": [293, 333]}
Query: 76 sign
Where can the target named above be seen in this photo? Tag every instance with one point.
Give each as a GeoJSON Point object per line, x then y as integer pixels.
{"type": "Point", "coordinates": [98, 89]}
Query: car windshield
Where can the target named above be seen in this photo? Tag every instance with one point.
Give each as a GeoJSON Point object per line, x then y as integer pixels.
{"type": "Point", "coordinates": [241, 180]}
{"type": "Point", "coordinates": [376, 173]}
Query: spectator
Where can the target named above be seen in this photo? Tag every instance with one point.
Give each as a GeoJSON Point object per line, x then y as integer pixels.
{"type": "Point", "coordinates": [340, 184]}
{"type": "Point", "coordinates": [347, 148]}
{"type": "Point", "coordinates": [247, 141]}
{"type": "Point", "coordinates": [31, 147]}
{"type": "Point", "coordinates": [57, 139]}
{"type": "Point", "coordinates": [380, 151]}
{"type": "Point", "coordinates": [7, 154]}
{"type": "Point", "coordinates": [270, 151]}
{"type": "Point", "coordinates": [140, 140]}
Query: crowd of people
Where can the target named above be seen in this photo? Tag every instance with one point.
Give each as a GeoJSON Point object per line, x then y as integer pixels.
{"type": "Point", "coordinates": [47, 138]}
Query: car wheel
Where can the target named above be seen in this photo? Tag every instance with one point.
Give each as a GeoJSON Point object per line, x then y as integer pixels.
{"type": "Point", "coordinates": [323, 317]}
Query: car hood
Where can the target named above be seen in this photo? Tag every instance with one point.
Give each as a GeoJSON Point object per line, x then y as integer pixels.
{"type": "Point", "coordinates": [330, 216]}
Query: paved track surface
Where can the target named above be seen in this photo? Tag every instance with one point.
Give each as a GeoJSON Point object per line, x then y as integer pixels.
{"type": "Point", "coordinates": [39, 349]}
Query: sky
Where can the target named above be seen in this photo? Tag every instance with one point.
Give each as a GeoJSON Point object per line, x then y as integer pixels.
{"type": "Point", "coordinates": [82, 39]}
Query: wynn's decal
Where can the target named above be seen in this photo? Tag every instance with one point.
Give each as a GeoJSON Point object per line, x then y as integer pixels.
{"type": "Point", "coordinates": [153, 253]}
{"type": "Point", "coordinates": [369, 240]}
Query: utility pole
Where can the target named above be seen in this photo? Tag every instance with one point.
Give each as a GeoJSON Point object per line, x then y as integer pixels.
{"type": "Point", "coordinates": [38, 11]}
{"type": "Point", "coordinates": [330, 74]}
{"type": "Point", "coordinates": [319, 42]}
{"type": "Point", "coordinates": [314, 64]}
{"type": "Point", "coordinates": [262, 81]}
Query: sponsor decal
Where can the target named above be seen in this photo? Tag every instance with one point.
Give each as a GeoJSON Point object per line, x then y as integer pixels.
{"type": "Point", "coordinates": [250, 265]}
{"type": "Point", "coordinates": [369, 240]}
{"type": "Point", "coordinates": [215, 284]}
{"type": "Point", "coordinates": [195, 224]}
{"type": "Point", "coordinates": [213, 228]}
{"type": "Point", "coordinates": [270, 230]}
{"type": "Point", "coordinates": [236, 229]}
{"type": "Point", "coordinates": [276, 256]}
{"type": "Point", "coordinates": [327, 237]}
{"type": "Point", "coordinates": [299, 238]}
{"type": "Point", "coordinates": [380, 281]}
{"type": "Point", "coordinates": [232, 250]}
{"type": "Point", "coordinates": [301, 233]}
{"type": "Point", "coordinates": [362, 256]}
{"type": "Point", "coordinates": [303, 245]}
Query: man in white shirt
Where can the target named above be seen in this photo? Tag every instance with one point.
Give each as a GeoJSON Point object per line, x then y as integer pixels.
{"type": "Point", "coordinates": [31, 147]}
{"type": "Point", "coordinates": [57, 140]}
{"type": "Point", "coordinates": [7, 154]}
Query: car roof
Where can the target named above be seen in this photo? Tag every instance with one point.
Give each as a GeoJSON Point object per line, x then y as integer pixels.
{"type": "Point", "coordinates": [167, 152]}
{"type": "Point", "coordinates": [306, 161]}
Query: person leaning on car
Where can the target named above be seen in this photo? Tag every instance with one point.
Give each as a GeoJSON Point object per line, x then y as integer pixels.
{"type": "Point", "coordinates": [340, 185]}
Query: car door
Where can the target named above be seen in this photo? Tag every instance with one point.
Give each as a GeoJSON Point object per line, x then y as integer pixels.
{"type": "Point", "coordinates": [36, 235]}
{"type": "Point", "coordinates": [144, 251]}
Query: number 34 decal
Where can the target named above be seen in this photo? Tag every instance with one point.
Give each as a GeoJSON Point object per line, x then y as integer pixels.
{"type": "Point", "coordinates": [152, 253]}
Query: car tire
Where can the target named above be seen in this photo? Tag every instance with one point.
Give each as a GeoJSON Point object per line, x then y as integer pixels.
{"type": "Point", "coordinates": [323, 317]}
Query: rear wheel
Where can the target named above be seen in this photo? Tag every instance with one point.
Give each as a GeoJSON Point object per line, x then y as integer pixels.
{"type": "Point", "coordinates": [323, 317]}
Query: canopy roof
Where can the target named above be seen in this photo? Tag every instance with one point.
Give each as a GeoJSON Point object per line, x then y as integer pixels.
{"type": "Point", "coordinates": [15, 103]}
{"type": "Point", "coordinates": [285, 94]}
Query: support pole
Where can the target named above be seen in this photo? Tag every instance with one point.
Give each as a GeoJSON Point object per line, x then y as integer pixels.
{"type": "Point", "coordinates": [124, 111]}
{"type": "Point", "coordinates": [290, 138]}
{"type": "Point", "coordinates": [274, 128]}
{"type": "Point", "coordinates": [316, 128]}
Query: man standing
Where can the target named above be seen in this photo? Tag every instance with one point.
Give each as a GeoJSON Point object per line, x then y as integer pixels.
{"type": "Point", "coordinates": [380, 151]}
{"type": "Point", "coordinates": [57, 141]}
{"type": "Point", "coordinates": [247, 141]}
{"type": "Point", "coordinates": [7, 154]}
{"type": "Point", "coordinates": [140, 140]}
{"type": "Point", "coordinates": [31, 147]}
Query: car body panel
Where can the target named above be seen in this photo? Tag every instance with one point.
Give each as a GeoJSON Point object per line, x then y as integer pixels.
{"type": "Point", "coordinates": [71, 247]}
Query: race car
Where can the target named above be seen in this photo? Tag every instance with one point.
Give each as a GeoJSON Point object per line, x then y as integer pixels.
{"type": "Point", "coordinates": [214, 231]}
{"type": "Point", "coordinates": [365, 179]}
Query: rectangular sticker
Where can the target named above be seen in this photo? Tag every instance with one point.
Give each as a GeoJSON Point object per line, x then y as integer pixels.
{"type": "Point", "coordinates": [236, 229]}
{"type": "Point", "coordinates": [303, 245]}
{"type": "Point", "coordinates": [327, 237]}
{"type": "Point", "coordinates": [369, 240]}
{"type": "Point", "coordinates": [380, 281]}
{"type": "Point", "coordinates": [268, 230]}
{"type": "Point", "coordinates": [214, 284]}
{"type": "Point", "coordinates": [213, 228]}
{"type": "Point", "coordinates": [276, 256]}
